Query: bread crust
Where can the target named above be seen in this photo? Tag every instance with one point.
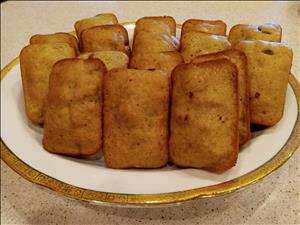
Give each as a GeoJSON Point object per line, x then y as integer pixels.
{"type": "Point", "coordinates": [216, 27]}
{"type": "Point", "coordinates": [74, 105]}
{"type": "Point", "coordinates": [204, 115]}
{"type": "Point", "coordinates": [239, 59]}
{"type": "Point", "coordinates": [269, 65]}
{"type": "Point", "coordinates": [36, 61]}
{"type": "Point", "coordinates": [136, 118]}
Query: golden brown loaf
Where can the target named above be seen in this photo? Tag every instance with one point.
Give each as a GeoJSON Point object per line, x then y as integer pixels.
{"type": "Point", "coordinates": [55, 38]}
{"type": "Point", "coordinates": [36, 61]}
{"type": "Point", "coordinates": [155, 34]}
{"type": "Point", "coordinates": [268, 32]}
{"type": "Point", "coordinates": [145, 41]}
{"type": "Point", "coordinates": [217, 27]}
{"type": "Point", "coordinates": [111, 59]}
{"type": "Point", "coordinates": [269, 65]}
{"type": "Point", "coordinates": [100, 19]}
{"type": "Point", "coordinates": [157, 24]}
{"type": "Point", "coordinates": [104, 38]}
{"type": "Point", "coordinates": [204, 115]}
{"type": "Point", "coordinates": [136, 118]}
{"type": "Point", "coordinates": [195, 43]}
{"type": "Point", "coordinates": [73, 114]}
{"type": "Point", "coordinates": [239, 59]}
{"type": "Point", "coordinates": [165, 61]}
{"type": "Point", "coordinates": [155, 45]}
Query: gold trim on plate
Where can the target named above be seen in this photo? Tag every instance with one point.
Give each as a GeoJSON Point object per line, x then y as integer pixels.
{"type": "Point", "coordinates": [69, 190]}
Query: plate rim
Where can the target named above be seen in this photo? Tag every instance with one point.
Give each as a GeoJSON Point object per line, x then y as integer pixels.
{"type": "Point", "coordinates": [140, 200]}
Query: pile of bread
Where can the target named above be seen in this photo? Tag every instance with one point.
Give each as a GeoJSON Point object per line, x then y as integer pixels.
{"type": "Point", "coordinates": [187, 102]}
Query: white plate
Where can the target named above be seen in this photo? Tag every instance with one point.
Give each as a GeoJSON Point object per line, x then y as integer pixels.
{"type": "Point", "coordinates": [94, 181]}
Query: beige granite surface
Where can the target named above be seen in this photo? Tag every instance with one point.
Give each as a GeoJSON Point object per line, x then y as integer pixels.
{"type": "Point", "coordinates": [275, 200]}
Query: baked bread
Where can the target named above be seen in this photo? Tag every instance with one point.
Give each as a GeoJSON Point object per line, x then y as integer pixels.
{"type": "Point", "coordinates": [195, 43]}
{"type": "Point", "coordinates": [204, 115]}
{"type": "Point", "coordinates": [105, 38]}
{"type": "Point", "coordinates": [268, 32]}
{"type": "Point", "coordinates": [239, 59]}
{"type": "Point", "coordinates": [111, 59]}
{"type": "Point", "coordinates": [145, 41]}
{"type": "Point", "coordinates": [157, 25]}
{"type": "Point", "coordinates": [217, 27]}
{"type": "Point", "coordinates": [136, 118]}
{"type": "Point", "coordinates": [100, 19]}
{"type": "Point", "coordinates": [36, 61]}
{"type": "Point", "coordinates": [269, 65]}
{"type": "Point", "coordinates": [165, 61]}
{"type": "Point", "coordinates": [73, 114]}
{"type": "Point", "coordinates": [55, 38]}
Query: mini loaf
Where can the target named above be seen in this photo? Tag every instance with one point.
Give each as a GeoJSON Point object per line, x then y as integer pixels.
{"type": "Point", "coordinates": [55, 38]}
{"type": "Point", "coordinates": [195, 43]}
{"type": "Point", "coordinates": [157, 24]}
{"type": "Point", "coordinates": [267, 32]}
{"type": "Point", "coordinates": [74, 104]}
{"type": "Point", "coordinates": [145, 42]}
{"type": "Point", "coordinates": [239, 59]}
{"type": "Point", "coordinates": [217, 27]}
{"type": "Point", "coordinates": [204, 115]}
{"type": "Point", "coordinates": [155, 45]}
{"type": "Point", "coordinates": [136, 118]}
{"type": "Point", "coordinates": [36, 61]}
{"type": "Point", "coordinates": [269, 65]}
{"type": "Point", "coordinates": [165, 61]}
{"type": "Point", "coordinates": [111, 59]}
{"type": "Point", "coordinates": [98, 20]}
{"type": "Point", "coordinates": [105, 38]}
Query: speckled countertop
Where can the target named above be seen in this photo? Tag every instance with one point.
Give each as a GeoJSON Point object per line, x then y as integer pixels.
{"type": "Point", "coordinates": [275, 200]}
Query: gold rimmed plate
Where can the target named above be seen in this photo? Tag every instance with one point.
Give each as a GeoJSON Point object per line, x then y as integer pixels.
{"type": "Point", "coordinates": [90, 180]}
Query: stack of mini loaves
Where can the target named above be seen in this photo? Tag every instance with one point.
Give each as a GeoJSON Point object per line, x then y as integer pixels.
{"type": "Point", "coordinates": [191, 104]}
